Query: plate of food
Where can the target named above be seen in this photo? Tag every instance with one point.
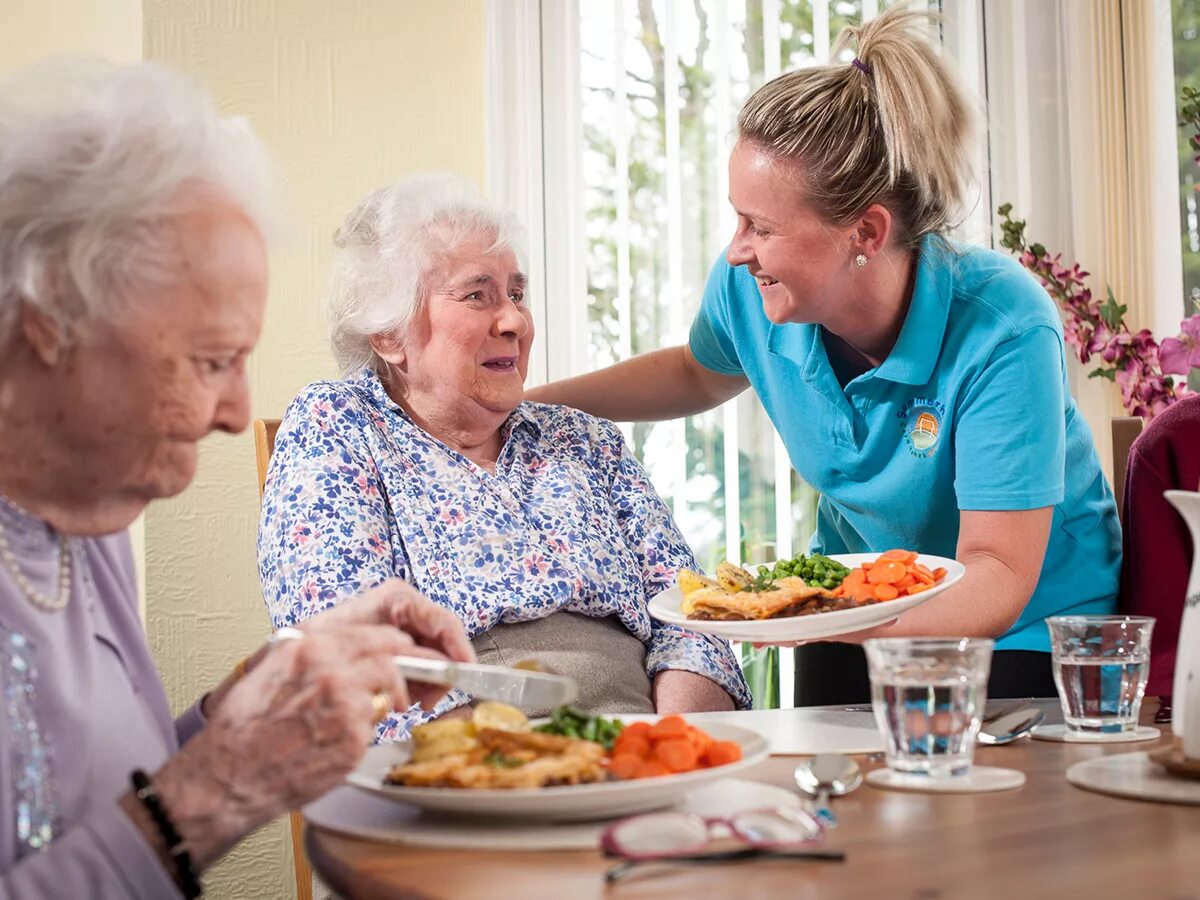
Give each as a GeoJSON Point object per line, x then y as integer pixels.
{"type": "Point", "coordinates": [572, 767]}
{"type": "Point", "coordinates": [805, 598]}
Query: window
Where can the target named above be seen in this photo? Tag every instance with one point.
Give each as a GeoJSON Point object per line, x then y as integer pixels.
{"type": "Point", "coordinates": [629, 120]}
{"type": "Point", "coordinates": [1186, 28]}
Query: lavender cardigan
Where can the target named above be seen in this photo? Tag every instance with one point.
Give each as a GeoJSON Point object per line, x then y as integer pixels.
{"type": "Point", "coordinates": [82, 706]}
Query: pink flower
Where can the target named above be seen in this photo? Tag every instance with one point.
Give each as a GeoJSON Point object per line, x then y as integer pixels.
{"type": "Point", "coordinates": [1179, 355]}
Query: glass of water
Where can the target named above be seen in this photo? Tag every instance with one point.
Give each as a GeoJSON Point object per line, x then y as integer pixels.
{"type": "Point", "coordinates": [928, 695]}
{"type": "Point", "coordinates": [1100, 667]}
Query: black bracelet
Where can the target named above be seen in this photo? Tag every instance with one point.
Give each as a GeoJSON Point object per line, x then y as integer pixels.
{"type": "Point", "coordinates": [186, 875]}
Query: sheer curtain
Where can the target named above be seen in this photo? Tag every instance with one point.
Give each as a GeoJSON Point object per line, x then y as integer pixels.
{"type": "Point", "coordinates": [1082, 144]}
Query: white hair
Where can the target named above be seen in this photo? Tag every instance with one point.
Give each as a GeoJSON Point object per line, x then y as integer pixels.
{"type": "Point", "coordinates": [385, 249]}
{"type": "Point", "coordinates": [93, 160]}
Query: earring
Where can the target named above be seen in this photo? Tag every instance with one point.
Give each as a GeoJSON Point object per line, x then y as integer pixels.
{"type": "Point", "coordinates": [860, 260]}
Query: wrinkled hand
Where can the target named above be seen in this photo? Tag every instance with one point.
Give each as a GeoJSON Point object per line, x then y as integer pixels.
{"type": "Point", "coordinates": [303, 715]}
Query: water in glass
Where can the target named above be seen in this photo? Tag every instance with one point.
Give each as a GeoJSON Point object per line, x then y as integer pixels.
{"type": "Point", "coordinates": [1102, 694]}
{"type": "Point", "coordinates": [1101, 664]}
{"type": "Point", "coordinates": [929, 717]}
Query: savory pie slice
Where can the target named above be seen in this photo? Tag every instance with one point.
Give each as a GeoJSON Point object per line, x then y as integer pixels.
{"type": "Point", "coordinates": [790, 597]}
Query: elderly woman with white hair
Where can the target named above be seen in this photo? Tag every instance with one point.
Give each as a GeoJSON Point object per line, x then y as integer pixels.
{"type": "Point", "coordinates": [132, 286]}
{"type": "Point", "coordinates": [535, 524]}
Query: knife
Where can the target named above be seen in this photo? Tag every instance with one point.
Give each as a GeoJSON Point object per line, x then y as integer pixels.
{"type": "Point", "coordinates": [519, 687]}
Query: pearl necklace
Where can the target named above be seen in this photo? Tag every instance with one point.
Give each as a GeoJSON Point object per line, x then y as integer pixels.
{"type": "Point", "coordinates": [32, 594]}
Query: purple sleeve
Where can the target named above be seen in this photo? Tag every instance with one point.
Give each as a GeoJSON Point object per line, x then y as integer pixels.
{"type": "Point", "coordinates": [103, 856]}
{"type": "Point", "coordinates": [191, 723]}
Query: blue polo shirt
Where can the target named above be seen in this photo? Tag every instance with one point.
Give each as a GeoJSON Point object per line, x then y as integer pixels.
{"type": "Point", "coordinates": [971, 410]}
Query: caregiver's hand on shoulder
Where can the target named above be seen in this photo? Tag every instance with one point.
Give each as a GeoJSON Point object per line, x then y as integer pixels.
{"type": "Point", "coordinates": [303, 716]}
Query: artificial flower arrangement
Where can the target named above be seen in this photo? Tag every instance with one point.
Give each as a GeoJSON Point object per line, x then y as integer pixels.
{"type": "Point", "coordinates": [1140, 365]}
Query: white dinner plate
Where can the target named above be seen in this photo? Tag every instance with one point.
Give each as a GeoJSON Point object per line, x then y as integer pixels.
{"type": "Point", "coordinates": [666, 608]}
{"type": "Point", "coordinates": [567, 803]}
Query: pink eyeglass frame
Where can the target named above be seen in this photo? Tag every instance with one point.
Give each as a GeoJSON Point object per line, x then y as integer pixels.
{"type": "Point", "coordinates": [612, 847]}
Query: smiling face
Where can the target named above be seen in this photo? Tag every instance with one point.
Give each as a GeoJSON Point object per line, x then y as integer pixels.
{"type": "Point", "coordinates": [465, 355]}
{"type": "Point", "coordinates": [135, 396]}
{"type": "Point", "coordinates": [802, 263]}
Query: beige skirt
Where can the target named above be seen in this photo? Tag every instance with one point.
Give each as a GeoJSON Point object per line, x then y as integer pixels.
{"type": "Point", "coordinates": [607, 661]}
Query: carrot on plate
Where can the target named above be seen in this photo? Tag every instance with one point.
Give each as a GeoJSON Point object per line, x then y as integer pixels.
{"type": "Point", "coordinates": [638, 728]}
{"type": "Point", "coordinates": [668, 727]}
{"type": "Point", "coordinates": [677, 754]}
{"type": "Point", "coordinates": [722, 753]}
{"type": "Point", "coordinates": [653, 768]}
{"type": "Point", "coordinates": [635, 744]}
{"type": "Point", "coordinates": [625, 765]}
{"type": "Point", "coordinates": [886, 592]}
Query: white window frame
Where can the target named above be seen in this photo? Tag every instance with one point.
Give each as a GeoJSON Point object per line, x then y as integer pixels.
{"type": "Point", "coordinates": [532, 89]}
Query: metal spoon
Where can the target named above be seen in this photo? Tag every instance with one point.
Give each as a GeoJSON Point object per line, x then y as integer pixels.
{"type": "Point", "coordinates": [1010, 727]}
{"type": "Point", "coordinates": [827, 775]}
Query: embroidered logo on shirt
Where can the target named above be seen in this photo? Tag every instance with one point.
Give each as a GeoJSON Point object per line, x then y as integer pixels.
{"type": "Point", "coordinates": [921, 420]}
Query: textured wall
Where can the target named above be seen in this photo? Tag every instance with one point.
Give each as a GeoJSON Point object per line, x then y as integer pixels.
{"type": "Point", "coordinates": [347, 94]}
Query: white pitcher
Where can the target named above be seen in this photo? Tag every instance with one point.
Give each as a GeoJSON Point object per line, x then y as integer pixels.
{"type": "Point", "coordinates": [1185, 718]}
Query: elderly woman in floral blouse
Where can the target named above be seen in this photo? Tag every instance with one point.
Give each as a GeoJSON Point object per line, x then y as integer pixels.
{"type": "Point", "coordinates": [534, 523]}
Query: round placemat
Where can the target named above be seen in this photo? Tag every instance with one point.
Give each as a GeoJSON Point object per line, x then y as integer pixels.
{"type": "Point", "coordinates": [1064, 734]}
{"type": "Point", "coordinates": [979, 780]}
{"type": "Point", "coordinates": [351, 811]}
{"type": "Point", "coordinates": [1133, 775]}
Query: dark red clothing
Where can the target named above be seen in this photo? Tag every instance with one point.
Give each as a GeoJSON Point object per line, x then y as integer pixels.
{"type": "Point", "coordinates": [1158, 546]}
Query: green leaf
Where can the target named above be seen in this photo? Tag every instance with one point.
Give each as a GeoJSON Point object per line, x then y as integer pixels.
{"type": "Point", "coordinates": [1005, 208]}
{"type": "Point", "coordinates": [1113, 312]}
{"type": "Point", "coordinates": [1110, 374]}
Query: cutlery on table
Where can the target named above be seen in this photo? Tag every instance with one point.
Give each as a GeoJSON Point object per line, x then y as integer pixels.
{"type": "Point", "coordinates": [1010, 727]}
{"type": "Point", "coordinates": [519, 687]}
{"type": "Point", "coordinates": [827, 775]}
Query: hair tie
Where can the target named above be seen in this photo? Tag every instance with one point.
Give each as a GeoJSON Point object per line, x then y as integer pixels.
{"type": "Point", "coordinates": [863, 67]}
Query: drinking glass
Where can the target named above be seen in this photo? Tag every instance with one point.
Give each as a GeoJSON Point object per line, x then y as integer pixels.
{"type": "Point", "coordinates": [1101, 664]}
{"type": "Point", "coordinates": [928, 696]}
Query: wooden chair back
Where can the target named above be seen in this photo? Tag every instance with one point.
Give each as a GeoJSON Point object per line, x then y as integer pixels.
{"type": "Point", "coordinates": [264, 445]}
{"type": "Point", "coordinates": [1125, 430]}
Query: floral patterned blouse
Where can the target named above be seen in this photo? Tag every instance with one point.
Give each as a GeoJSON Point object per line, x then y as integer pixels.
{"type": "Point", "coordinates": [569, 520]}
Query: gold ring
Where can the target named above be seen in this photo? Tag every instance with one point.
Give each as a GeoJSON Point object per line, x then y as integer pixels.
{"type": "Point", "coordinates": [381, 705]}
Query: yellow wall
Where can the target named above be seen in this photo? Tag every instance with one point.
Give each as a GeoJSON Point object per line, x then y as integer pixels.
{"type": "Point", "coordinates": [31, 29]}
{"type": "Point", "coordinates": [346, 95]}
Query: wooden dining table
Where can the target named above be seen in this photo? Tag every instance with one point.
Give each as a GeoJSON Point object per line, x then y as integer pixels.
{"type": "Point", "coordinates": [1045, 839]}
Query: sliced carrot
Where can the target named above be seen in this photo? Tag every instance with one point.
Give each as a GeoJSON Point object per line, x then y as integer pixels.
{"type": "Point", "coordinates": [918, 588]}
{"type": "Point", "coordinates": [904, 556]}
{"type": "Point", "coordinates": [677, 754]}
{"type": "Point", "coordinates": [639, 728]}
{"type": "Point", "coordinates": [701, 740]}
{"type": "Point", "coordinates": [939, 573]}
{"type": "Point", "coordinates": [906, 582]}
{"type": "Point", "coordinates": [839, 591]}
{"type": "Point", "coordinates": [721, 753]}
{"type": "Point", "coordinates": [625, 765]}
{"type": "Point", "coordinates": [635, 744]}
{"type": "Point", "coordinates": [652, 768]}
{"type": "Point", "coordinates": [886, 592]}
{"type": "Point", "coordinates": [668, 727]}
{"type": "Point", "coordinates": [856, 579]}
{"type": "Point", "coordinates": [887, 572]}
